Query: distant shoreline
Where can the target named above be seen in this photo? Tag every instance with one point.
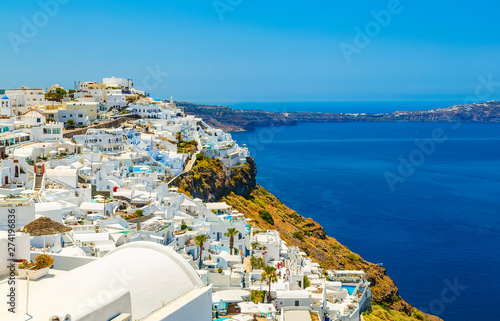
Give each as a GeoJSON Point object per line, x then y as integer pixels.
{"type": "Point", "coordinates": [233, 120]}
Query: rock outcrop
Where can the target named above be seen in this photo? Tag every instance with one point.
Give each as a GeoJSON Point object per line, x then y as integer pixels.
{"type": "Point", "coordinates": [210, 181]}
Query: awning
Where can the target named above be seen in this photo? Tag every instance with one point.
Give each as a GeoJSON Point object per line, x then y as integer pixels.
{"type": "Point", "coordinates": [218, 206]}
{"type": "Point", "coordinates": [233, 295]}
{"type": "Point", "coordinates": [188, 202]}
{"type": "Point", "coordinates": [248, 307]}
{"type": "Point", "coordinates": [241, 317]}
{"type": "Point", "coordinates": [266, 308]}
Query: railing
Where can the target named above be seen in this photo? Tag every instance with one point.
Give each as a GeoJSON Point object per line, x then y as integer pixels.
{"type": "Point", "coordinates": [58, 183]}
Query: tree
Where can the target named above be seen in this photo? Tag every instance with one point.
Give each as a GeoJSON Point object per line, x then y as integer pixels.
{"type": "Point", "coordinates": [178, 137]}
{"type": "Point", "coordinates": [58, 95]}
{"type": "Point", "coordinates": [269, 275]}
{"type": "Point", "coordinates": [200, 240]}
{"type": "Point", "coordinates": [257, 262]}
{"type": "Point", "coordinates": [70, 122]}
{"type": "Point", "coordinates": [307, 283]}
{"type": "Point", "coordinates": [231, 232]}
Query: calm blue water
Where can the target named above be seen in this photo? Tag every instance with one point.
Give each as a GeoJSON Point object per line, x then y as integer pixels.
{"type": "Point", "coordinates": [346, 106]}
{"type": "Point", "coordinates": [439, 225]}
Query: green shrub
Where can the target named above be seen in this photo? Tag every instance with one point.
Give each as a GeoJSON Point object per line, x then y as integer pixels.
{"type": "Point", "coordinates": [257, 296]}
{"type": "Point", "coordinates": [306, 282]}
{"type": "Point", "coordinates": [266, 216]}
{"type": "Point", "coordinates": [298, 235]}
{"type": "Point", "coordinates": [183, 226]}
{"type": "Point", "coordinates": [352, 257]}
{"type": "Point", "coordinates": [418, 315]}
{"type": "Point", "coordinates": [257, 262]}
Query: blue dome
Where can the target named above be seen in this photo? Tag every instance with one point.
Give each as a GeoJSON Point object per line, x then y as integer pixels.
{"type": "Point", "coordinates": [5, 97]}
{"type": "Point", "coordinates": [157, 99]}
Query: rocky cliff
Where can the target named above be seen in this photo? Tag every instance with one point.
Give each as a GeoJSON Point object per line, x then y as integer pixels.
{"type": "Point", "coordinates": [237, 120]}
{"type": "Point", "coordinates": [209, 181]}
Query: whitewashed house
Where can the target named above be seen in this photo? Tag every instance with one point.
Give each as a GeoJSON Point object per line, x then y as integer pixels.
{"type": "Point", "coordinates": [5, 107]}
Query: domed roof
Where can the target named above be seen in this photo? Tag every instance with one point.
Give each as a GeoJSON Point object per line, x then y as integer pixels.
{"type": "Point", "coordinates": [142, 275]}
{"type": "Point", "coordinates": [5, 97]}
{"type": "Point", "coordinates": [33, 113]}
{"type": "Point", "coordinates": [157, 99]}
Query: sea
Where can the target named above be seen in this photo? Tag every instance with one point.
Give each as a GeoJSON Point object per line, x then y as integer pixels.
{"type": "Point", "coordinates": [422, 199]}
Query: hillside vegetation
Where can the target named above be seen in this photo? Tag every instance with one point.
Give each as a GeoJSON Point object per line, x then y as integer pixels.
{"type": "Point", "coordinates": [268, 212]}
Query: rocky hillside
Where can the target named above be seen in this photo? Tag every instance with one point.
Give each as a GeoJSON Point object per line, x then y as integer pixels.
{"type": "Point", "coordinates": [210, 182]}
{"type": "Point", "coordinates": [236, 120]}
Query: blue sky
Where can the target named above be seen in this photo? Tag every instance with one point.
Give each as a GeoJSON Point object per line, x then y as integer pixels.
{"type": "Point", "coordinates": [256, 50]}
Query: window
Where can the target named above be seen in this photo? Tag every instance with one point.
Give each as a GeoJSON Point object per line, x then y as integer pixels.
{"type": "Point", "coordinates": [46, 131]}
{"type": "Point", "coordinates": [56, 130]}
{"type": "Point", "coordinates": [38, 120]}
{"type": "Point", "coordinates": [296, 303]}
{"type": "Point", "coordinates": [80, 115]}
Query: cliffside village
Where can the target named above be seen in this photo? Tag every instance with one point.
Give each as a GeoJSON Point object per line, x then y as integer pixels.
{"type": "Point", "coordinates": [92, 228]}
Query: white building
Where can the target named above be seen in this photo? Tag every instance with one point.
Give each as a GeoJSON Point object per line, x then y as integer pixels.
{"type": "Point", "coordinates": [125, 83]}
{"type": "Point", "coordinates": [25, 97]}
{"type": "Point", "coordinates": [116, 99]}
{"type": "Point", "coordinates": [147, 110]}
{"type": "Point", "coordinates": [5, 107]}
{"type": "Point", "coordinates": [79, 116]}
{"type": "Point", "coordinates": [157, 284]}
{"type": "Point", "coordinates": [33, 118]}
{"type": "Point", "coordinates": [104, 140]}
{"type": "Point", "coordinates": [23, 209]}
{"type": "Point", "coordinates": [52, 131]}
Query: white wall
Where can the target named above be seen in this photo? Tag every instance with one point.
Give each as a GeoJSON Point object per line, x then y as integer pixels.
{"type": "Point", "coordinates": [24, 215]}
{"type": "Point", "coordinates": [22, 250]}
{"type": "Point", "coordinates": [197, 308]}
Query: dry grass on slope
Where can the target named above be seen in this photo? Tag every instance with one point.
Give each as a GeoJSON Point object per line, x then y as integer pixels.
{"type": "Point", "coordinates": [312, 239]}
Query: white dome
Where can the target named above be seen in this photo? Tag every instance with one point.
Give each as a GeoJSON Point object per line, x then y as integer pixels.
{"type": "Point", "coordinates": [140, 277]}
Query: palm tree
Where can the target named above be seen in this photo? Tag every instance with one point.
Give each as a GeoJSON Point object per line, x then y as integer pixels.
{"type": "Point", "coordinates": [200, 240]}
{"type": "Point", "coordinates": [270, 276]}
{"type": "Point", "coordinates": [178, 136]}
{"type": "Point", "coordinates": [231, 232]}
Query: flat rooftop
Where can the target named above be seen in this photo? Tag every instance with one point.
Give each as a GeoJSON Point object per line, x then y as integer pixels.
{"type": "Point", "coordinates": [37, 309]}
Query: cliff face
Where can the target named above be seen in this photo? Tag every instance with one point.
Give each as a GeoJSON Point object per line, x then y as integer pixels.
{"type": "Point", "coordinates": [210, 183]}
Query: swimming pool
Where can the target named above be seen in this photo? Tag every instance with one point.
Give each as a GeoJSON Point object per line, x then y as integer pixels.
{"type": "Point", "coordinates": [349, 288]}
{"type": "Point", "coordinates": [220, 319]}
